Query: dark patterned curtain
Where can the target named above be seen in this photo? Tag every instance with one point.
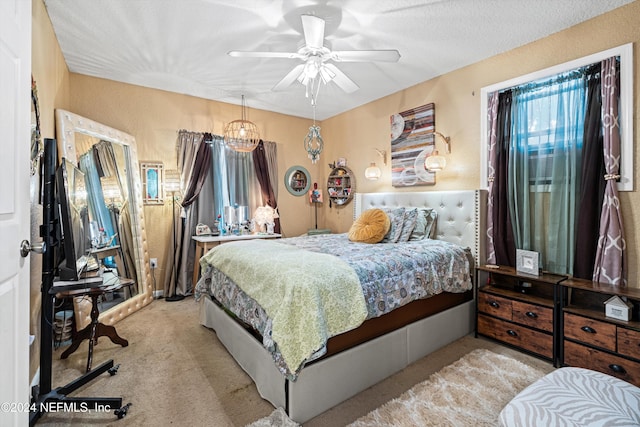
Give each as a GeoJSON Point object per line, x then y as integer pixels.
{"type": "Point", "coordinates": [610, 266]}
{"type": "Point", "coordinates": [491, 137]}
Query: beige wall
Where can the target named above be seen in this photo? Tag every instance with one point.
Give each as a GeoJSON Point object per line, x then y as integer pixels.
{"type": "Point", "coordinates": [49, 70]}
{"type": "Point", "coordinates": [356, 133]}
{"type": "Point", "coordinates": [153, 117]}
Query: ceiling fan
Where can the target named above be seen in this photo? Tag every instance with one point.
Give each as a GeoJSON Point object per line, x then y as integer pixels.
{"type": "Point", "coordinates": [315, 57]}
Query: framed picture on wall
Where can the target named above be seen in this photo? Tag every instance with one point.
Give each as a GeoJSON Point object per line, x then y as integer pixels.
{"type": "Point", "coordinates": [412, 140]}
{"type": "Point", "coordinates": [152, 179]}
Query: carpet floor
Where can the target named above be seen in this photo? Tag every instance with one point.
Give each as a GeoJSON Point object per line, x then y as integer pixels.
{"type": "Point", "coordinates": [470, 392]}
{"type": "Point", "coordinates": [175, 372]}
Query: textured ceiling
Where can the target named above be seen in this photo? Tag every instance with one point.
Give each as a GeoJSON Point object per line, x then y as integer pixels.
{"type": "Point", "coordinates": [181, 45]}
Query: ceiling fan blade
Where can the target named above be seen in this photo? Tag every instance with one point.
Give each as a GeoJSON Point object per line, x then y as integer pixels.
{"type": "Point", "coordinates": [289, 78]}
{"type": "Point", "coordinates": [313, 28]}
{"type": "Point", "coordinates": [390, 55]}
{"type": "Point", "coordinates": [341, 79]}
{"type": "Point", "coordinates": [241, 54]}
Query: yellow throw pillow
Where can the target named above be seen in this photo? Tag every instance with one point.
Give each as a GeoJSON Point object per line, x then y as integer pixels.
{"type": "Point", "coordinates": [370, 227]}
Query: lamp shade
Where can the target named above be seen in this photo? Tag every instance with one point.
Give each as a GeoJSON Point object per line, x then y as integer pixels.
{"type": "Point", "coordinates": [373, 172]}
{"type": "Point", "coordinates": [435, 162]}
{"type": "Point", "coordinates": [242, 135]}
{"type": "Point", "coordinates": [172, 181]}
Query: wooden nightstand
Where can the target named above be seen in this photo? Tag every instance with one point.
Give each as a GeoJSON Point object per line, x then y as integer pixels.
{"type": "Point", "coordinates": [594, 341]}
{"type": "Point", "coordinates": [518, 309]}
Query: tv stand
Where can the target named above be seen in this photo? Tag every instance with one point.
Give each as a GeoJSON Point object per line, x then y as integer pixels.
{"type": "Point", "coordinates": [43, 396]}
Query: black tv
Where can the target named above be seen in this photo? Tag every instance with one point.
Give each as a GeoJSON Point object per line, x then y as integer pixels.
{"type": "Point", "coordinates": [74, 220]}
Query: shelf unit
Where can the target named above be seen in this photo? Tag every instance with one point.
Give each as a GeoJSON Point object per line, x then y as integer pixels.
{"type": "Point", "coordinates": [341, 185]}
{"type": "Point", "coordinates": [560, 319]}
{"type": "Point", "coordinates": [594, 341]}
{"type": "Point", "coordinates": [518, 309]}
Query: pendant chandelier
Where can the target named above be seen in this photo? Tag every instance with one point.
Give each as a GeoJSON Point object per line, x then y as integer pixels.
{"type": "Point", "coordinates": [242, 135]}
{"type": "Point", "coordinates": [313, 142]}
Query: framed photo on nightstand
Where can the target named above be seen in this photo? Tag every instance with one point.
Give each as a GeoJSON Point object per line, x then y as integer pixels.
{"type": "Point", "coordinates": [527, 262]}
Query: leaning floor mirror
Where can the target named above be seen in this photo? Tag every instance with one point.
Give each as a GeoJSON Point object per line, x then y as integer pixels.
{"type": "Point", "coordinates": [117, 236]}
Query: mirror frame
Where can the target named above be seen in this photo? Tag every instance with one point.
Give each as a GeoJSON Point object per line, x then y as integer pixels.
{"type": "Point", "coordinates": [67, 124]}
{"type": "Point", "coordinates": [287, 180]}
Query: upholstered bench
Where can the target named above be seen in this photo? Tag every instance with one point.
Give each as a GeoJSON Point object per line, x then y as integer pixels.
{"type": "Point", "coordinates": [574, 396]}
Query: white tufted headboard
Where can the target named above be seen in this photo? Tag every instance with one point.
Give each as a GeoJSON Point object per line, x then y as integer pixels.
{"type": "Point", "coordinates": [461, 214]}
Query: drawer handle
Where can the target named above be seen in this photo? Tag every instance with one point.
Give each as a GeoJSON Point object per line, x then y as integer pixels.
{"type": "Point", "coordinates": [531, 314]}
{"type": "Point", "coordinates": [494, 304]}
{"type": "Point", "coordinates": [588, 329]}
{"type": "Point", "coordinates": [617, 369]}
{"type": "Point", "coordinates": [512, 333]}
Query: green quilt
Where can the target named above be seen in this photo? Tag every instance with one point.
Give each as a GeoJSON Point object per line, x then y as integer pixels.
{"type": "Point", "coordinates": [309, 296]}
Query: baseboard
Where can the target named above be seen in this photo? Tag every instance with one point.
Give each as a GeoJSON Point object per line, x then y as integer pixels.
{"type": "Point", "coordinates": [158, 294]}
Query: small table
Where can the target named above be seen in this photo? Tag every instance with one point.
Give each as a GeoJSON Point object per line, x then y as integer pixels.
{"type": "Point", "coordinates": [95, 329]}
{"type": "Point", "coordinates": [204, 243]}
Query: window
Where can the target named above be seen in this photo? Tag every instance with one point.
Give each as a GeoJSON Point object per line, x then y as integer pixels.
{"type": "Point", "coordinates": [538, 136]}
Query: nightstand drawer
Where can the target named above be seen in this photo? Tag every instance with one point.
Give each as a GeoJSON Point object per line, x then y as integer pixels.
{"type": "Point", "coordinates": [590, 331]}
{"type": "Point", "coordinates": [520, 336]}
{"type": "Point", "coordinates": [494, 305]}
{"type": "Point", "coordinates": [533, 315]}
{"type": "Point", "coordinates": [589, 358]}
{"type": "Point", "coordinates": [629, 342]}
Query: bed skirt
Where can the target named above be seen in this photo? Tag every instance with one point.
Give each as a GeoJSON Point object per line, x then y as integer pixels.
{"type": "Point", "coordinates": [332, 380]}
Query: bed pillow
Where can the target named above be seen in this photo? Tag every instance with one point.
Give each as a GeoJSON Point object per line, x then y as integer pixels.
{"type": "Point", "coordinates": [370, 227]}
{"type": "Point", "coordinates": [425, 227]}
{"type": "Point", "coordinates": [396, 216]}
{"type": "Point", "coordinates": [409, 224]}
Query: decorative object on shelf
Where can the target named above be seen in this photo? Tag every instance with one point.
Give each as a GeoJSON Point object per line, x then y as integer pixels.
{"type": "Point", "coordinates": [527, 262]}
{"type": "Point", "coordinates": [341, 185]}
{"type": "Point", "coordinates": [152, 183]}
{"type": "Point", "coordinates": [313, 142]}
{"type": "Point", "coordinates": [315, 198]}
{"type": "Point", "coordinates": [297, 180]}
{"type": "Point", "coordinates": [172, 185]}
{"type": "Point", "coordinates": [616, 308]}
{"type": "Point", "coordinates": [264, 217]}
{"type": "Point", "coordinates": [412, 141]}
{"type": "Point", "coordinates": [242, 135]}
{"type": "Point", "coordinates": [373, 172]}
{"type": "Point", "coordinates": [236, 219]}
{"type": "Point", "coordinates": [435, 162]}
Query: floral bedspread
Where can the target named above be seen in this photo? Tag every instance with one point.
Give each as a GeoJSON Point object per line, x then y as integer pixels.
{"type": "Point", "coordinates": [391, 275]}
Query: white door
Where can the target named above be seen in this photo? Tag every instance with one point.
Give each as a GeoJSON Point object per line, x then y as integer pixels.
{"type": "Point", "coordinates": [15, 117]}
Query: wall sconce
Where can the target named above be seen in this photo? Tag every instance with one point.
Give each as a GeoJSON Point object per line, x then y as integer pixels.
{"type": "Point", "coordinates": [435, 162]}
{"type": "Point", "coordinates": [373, 172]}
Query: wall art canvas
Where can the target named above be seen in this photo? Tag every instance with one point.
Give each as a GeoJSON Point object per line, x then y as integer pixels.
{"type": "Point", "coordinates": [412, 141]}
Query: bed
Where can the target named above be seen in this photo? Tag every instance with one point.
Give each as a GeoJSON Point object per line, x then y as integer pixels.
{"type": "Point", "coordinates": [382, 341]}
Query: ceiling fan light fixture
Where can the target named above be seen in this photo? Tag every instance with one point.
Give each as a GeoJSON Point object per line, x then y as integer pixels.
{"type": "Point", "coordinates": [242, 135]}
